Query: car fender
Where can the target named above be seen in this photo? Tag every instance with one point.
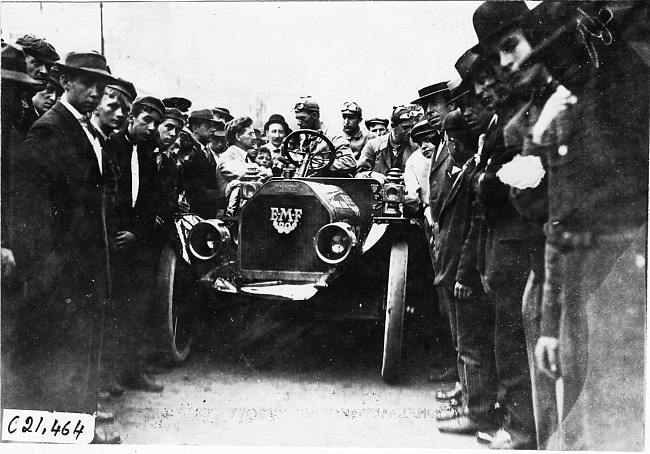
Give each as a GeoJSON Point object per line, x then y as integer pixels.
{"type": "Point", "coordinates": [375, 234]}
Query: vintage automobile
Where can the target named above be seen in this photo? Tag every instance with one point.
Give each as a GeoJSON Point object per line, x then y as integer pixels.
{"type": "Point", "coordinates": [340, 242]}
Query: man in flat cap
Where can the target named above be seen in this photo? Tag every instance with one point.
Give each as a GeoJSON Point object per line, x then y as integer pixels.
{"type": "Point", "coordinates": [378, 126]}
{"type": "Point", "coordinates": [134, 218]}
{"type": "Point", "coordinates": [222, 114]}
{"type": "Point", "coordinates": [113, 109]}
{"type": "Point", "coordinates": [392, 150]}
{"type": "Point", "coordinates": [40, 57]}
{"type": "Point", "coordinates": [358, 137]}
{"type": "Point", "coordinates": [62, 245]}
{"type": "Point", "coordinates": [307, 113]}
{"type": "Point", "coordinates": [199, 177]}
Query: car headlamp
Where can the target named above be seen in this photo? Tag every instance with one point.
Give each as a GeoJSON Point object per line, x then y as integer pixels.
{"type": "Point", "coordinates": [393, 193]}
{"type": "Point", "coordinates": [208, 239]}
{"type": "Point", "coordinates": [249, 189]}
{"type": "Point", "coordinates": [334, 242]}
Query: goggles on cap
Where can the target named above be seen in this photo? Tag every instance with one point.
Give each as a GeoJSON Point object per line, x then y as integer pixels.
{"type": "Point", "coordinates": [351, 106]}
{"type": "Point", "coordinates": [301, 106]}
{"type": "Point", "coordinates": [407, 115]}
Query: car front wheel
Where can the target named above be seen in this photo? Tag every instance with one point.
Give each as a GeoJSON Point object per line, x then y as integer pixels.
{"type": "Point", "coordinates": [175, 307]}
{"type": "Point", "coordinates": [395, 305]}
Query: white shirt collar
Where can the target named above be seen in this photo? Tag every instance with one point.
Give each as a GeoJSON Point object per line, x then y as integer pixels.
{"type": "Point", "coordinates": [78, 115]}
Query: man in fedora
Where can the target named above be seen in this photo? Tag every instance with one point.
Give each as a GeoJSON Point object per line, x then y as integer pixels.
{"type": "Point", "coordinates": [352, 116]}
{"type": "Point", "coordinates": [62, 178]}
{"type": "Point", "coordinates": [113, 109]}
{"type": "Point", "coordinates": [199, 179]}
{"type": "Point", "coordinates": [391, 150]}
{"type": "Point", "coordinates": [40, 57]}
{"type": "Point", "coordinates": [132, 149]}
{"type": "Point", "coordinates": [14, 81]}
{"type": "Point", "coordinates": [511, 241]}
{"type": "Point", "coordinates": [275, 130]}
{"type": "Point", "coordinates": [378, 126]}
{"type": "Point", "coordinates": [307, 113]}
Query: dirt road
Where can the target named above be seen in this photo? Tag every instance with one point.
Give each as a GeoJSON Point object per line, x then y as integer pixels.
{"type": "Point", "coordinates": [263, 376]}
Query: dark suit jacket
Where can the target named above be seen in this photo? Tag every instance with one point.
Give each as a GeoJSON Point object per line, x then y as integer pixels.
{"type": "Point", "coordinates": [140, 219]}
{"type": "Point", "coordinates": [62, 248]}
{"type": "Point", "coordinates": [202, 189]}
{"type": "Point", "coordinates": [440, 181]}
{"type": "Point", "coordinates": [455, 255]}
{"type": "Point", "coordinates": [61, 203]}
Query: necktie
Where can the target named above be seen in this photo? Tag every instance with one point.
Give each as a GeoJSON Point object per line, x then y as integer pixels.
{"type": "Point", "coordinates": [159, 158]}
{"type": "Point", "coordinates": [91, 133]}
{"type": "Point", "coordinates": [135, 175]}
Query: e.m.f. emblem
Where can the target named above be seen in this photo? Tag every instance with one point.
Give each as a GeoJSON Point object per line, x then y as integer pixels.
{"type": "Point", "coordinates": [285, 220]}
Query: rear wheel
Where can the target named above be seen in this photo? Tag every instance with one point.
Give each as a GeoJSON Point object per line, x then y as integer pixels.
{"type": "Point", "coordinates": [395, 305]}
{"type": "Point", "coordinates": [176, 308]}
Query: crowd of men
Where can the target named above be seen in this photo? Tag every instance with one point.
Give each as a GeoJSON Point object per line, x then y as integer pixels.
{"type": "Point", "coordinates": [529, 172]}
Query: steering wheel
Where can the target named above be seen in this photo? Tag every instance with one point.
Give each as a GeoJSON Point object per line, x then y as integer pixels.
{"type": "Point", "coordinates": [310, 151]}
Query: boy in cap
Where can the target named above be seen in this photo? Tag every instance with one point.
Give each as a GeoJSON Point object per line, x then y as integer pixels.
{"type": "Point", "coordinates": [307, 113]}
{"type": "Point", "coordinates": [135, 211]}
{"type": "Point", "coordinates": [45, 99]}
{"type": "Point", "coordinates": [470, 311]}
{"type": "Point", "coordinates": [113, 109]}
{"type": "Point", "coordinates": [392, 150]}
{"type": "Point", "coordinates": [378, 126]}
{"type": "Point", "coordinates": [357, 137]}
{"type": "Point", "coordinates": [62, 245]}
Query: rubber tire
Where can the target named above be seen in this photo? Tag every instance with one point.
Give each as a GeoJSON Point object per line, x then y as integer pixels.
{"type": "Point", "coordinates": [165, 304]}
{"type": "Point", "coordinates": [395, 306]}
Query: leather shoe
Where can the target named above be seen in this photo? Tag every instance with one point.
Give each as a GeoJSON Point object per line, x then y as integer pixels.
{"type": "Point", "coordinates": [443, 374]}
{"type": "Point", "coordinates": [103, 437]}
{"type": "Point", "coordinates": [104, 416]}
{"type": "Point", "coordinates": [466, 424]}
{"type": "Point", "coordinates": [450, 412]}
{"type": "Point", "coordinates": [506, 439]}
{"type": "Point", "coordinates": [143, 383]}
{"type": "Point", "coordinates": [114, 389]}
{"type": "Point", "coordinates": [455, 393]}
